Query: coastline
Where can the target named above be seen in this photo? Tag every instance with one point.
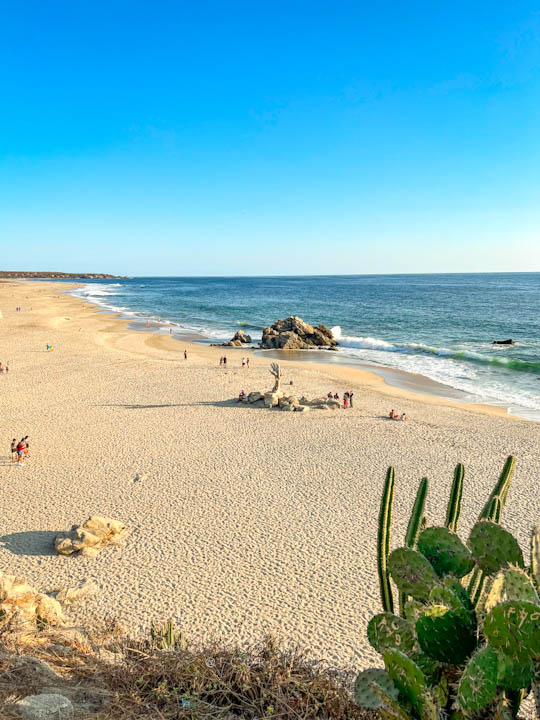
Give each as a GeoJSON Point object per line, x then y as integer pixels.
{"type": "Point", "coordinates": [396, 383]}
{"type": "Point", "coordinates": [247, 521]}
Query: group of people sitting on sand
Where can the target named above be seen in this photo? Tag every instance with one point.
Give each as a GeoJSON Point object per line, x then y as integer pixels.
{"type": "Point", "coordinates": [4, 367]}
{"type": "Point", "coordinates": [20, 450]}
{"type": "Point", "coordinates": [347, 398]}
{"type": "Point", "coordinates": [396, 416]}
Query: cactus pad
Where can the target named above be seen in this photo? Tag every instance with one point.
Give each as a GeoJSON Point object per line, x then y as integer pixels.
{"type": "Point", "coordinates": [455, 585]}
{"type": "Point", "coordinates": [446, 635]}
{"type": "Point", "coordinates": [366, 695]}
{"type": "Point", "coordinates": [514, 628]}
{"type": "Point", "coordinates": [450, 597]}
{"type": "Point", "coordinates": [478, 684]}
{"type": "Point", "coordinates": [445, 551]}
{"type": "Point", "coordinates": [406, 676]}
{"type": "Point", "coordinates": [514, 674]}
{"type": "Point", "coordinates": [413, 610]}
{"type": "Point", "coordinates": [388, 632]}
{"type": "Point", "coordinates": [492, 547]}
{"type": "Point", "coordinates": [412, 573]}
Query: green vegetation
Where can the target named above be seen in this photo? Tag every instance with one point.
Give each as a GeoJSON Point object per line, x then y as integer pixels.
{"type": "Point", "coordinates": [467, 641]}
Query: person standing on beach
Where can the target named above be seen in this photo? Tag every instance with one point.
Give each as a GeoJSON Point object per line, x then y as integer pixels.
{"type": "Point", "coordinates": [224, 362]}
{"type": "Point", "coordinates": [247, 363]}
{"type": "Point", "coordinates": [185, 354]}
{"type": "Point", "coordinates": [13, 450]}
{"type": "Point", "coordinates": [243, 363]}
{"type": "Point", "coordinates": [20, 452]}
{"type": "Point", "coordinates": [351, 394]}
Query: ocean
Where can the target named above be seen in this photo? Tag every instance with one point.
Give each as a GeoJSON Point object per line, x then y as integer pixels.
{"type": "Point", "coordinates": [437, 326]}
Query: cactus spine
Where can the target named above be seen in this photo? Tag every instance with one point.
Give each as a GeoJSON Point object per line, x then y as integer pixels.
{"type": "Point", "coordinates": [383, 541]}
{"type": "Point", "coordinates": [454, 503]}
{"type": "Point", "coordinates": [414, 528]}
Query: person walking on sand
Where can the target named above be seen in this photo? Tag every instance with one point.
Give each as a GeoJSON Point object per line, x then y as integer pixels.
{"type": "Point", "coordinates": [224, 362]}
{"type": "Point", "coordinates": [351, 395]}
{"type": "Point", "coordinates": [26, 448]}
{"type": "Point", "coordinates": [345, 401]}
{"type": "Point", "coordinates": [20, 452]}
{"type": "Point", "coordinates": [247, 363]}
{"type": "Point", "coordinates": [243, 363]}
{"type": "Point", "coordinates": [185, 354]}
{"type": "Point", "coordinates": [13, 450]}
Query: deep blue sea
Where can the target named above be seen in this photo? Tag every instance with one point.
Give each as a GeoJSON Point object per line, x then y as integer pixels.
{"type": "Point", "coordinates": [439, 326]}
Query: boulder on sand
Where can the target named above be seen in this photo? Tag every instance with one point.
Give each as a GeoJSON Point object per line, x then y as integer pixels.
{"type": "Point", "coordinates": [295, 334]}
{"type": "Point", "coordinates": [19, 600]}
{"type": "Point", "coordinates": [255, 396]}
{"type": "Point", "coordinates": [271, 399]}
{"type": "Point", "coordinates": [90, 537]}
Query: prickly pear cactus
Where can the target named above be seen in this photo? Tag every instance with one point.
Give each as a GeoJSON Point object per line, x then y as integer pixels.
{"type": "Point", "coordinates": [514, 628]}
{"type": "Point", "coordinates": [445, 551]}
{"type": "Point", "coordinates": [478, 684]}
{"type": "Point", "coordinates": [509, 584]}
{"type": "Point", "coordinates": [406, 676]}
{"type": "Point", "coordinates": [514, 674]}
{"type": "Point", "coordinates": [412, 573]}
{"type": "Point", "coordinates": [492, 547]}
{"type": "Point", "coordinates": [387, 631]}
{"type": "Point", "coordinates": [447, 635]}
{"type": "Point", "coordinates": [468, 644]}
{"type": "Point", "coordinates": [369, 696]}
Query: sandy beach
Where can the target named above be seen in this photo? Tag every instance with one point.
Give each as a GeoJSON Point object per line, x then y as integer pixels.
{"type": "Point", "coordinates": [246, 520]}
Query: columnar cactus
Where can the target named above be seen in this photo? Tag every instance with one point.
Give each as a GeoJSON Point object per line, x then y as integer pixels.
{"type": "Point", "coordinates": [383, 541]}
{"type": "Point", "coordinates": [458, 650]}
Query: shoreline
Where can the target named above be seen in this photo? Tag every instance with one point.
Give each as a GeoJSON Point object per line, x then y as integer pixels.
{"type": "Point", "coordinates": [396, 381]}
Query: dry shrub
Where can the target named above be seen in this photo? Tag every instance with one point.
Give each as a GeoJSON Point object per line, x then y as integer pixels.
{"type": "Point", "coordinates": [215, 682]}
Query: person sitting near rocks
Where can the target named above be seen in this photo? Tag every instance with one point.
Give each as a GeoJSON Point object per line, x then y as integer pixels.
{"type": "Point", "coordinates": [336, 397]}
{"type": "Point", "coordinates": [330, 396]}
{"type": "Point", "coordinates": [242, 397]}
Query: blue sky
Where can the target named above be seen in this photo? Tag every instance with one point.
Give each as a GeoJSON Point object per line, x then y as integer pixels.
{"type": "Point", "coordinates": [195, 138]}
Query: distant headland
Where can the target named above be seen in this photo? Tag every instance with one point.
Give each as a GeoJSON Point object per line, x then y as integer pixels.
{"type": "Point", "coordinates": [74, 276]}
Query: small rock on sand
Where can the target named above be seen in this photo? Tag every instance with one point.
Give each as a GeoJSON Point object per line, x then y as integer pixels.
{"type": "Point", "coordinates": [47, 706]}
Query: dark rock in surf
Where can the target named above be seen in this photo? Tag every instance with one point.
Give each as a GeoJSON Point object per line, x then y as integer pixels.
{"type": "Point", "coordinates": [504, 342]}
{"type": "Point", "coordinates": [295, 334]}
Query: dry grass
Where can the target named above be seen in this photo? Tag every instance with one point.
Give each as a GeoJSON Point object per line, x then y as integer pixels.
{"type": "Point", "coordinates": [142, 680]}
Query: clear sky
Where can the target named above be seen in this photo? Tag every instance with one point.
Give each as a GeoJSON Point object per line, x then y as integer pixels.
{"type": "Point", "coordinates": [206, 137]}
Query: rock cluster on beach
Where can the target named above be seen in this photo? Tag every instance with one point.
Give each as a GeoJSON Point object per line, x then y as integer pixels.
{"type": "Point", "coordinates": [240, 338]}
{"type": "Point", "coordinates": [20, 601]}
{"type": "Point", "coordinates": [90, 537]}
{"type": "Point", "coordinates": [295, 334]}
{"type": "Point", "coordinates": [279, 400]}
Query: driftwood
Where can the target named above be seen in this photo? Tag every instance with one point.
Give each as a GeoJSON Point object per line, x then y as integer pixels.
{"type": "Point", "coordinates": [275, 370]}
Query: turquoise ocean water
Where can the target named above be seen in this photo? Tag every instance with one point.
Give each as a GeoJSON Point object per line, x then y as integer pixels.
{"type": "Point", "coordinates": [438, 326]}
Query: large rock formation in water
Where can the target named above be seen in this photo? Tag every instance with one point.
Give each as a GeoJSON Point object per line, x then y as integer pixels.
{"type": "Point", "coordinates": [295, 334]}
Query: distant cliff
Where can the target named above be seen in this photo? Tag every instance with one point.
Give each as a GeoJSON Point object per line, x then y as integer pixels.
{"type": "Point", "coordinates": [73, 276]}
